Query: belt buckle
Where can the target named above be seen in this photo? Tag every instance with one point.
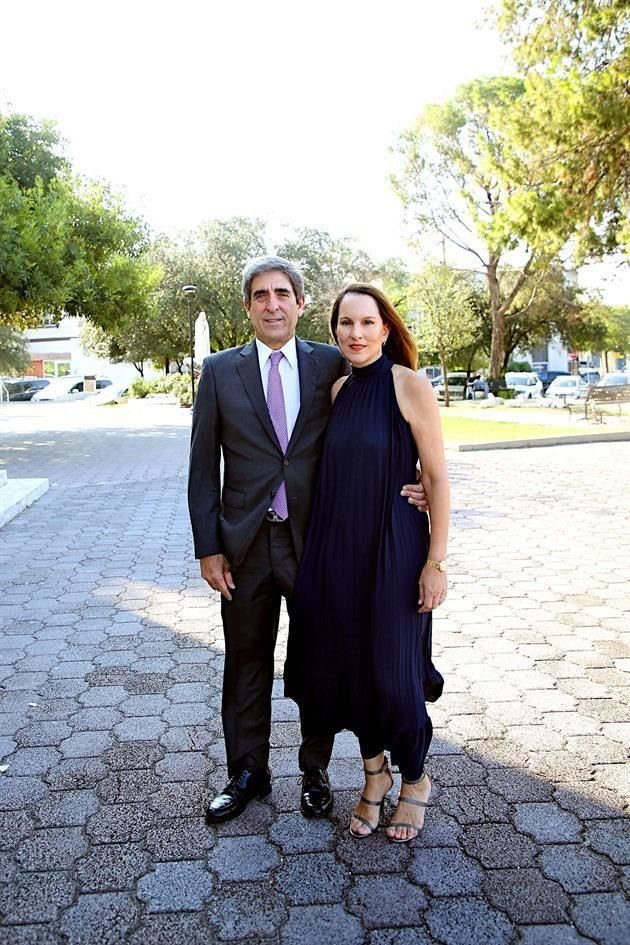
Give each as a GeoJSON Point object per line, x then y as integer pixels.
{"type": "Point", "coordinates": [272, 516]}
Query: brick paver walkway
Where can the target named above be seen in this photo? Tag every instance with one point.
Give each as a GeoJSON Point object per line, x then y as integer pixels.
{"type": "Point", "coordinates": [110, 666]}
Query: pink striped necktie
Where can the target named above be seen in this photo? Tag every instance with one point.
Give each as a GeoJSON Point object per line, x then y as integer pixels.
{"type": "Point", "coordinates": [277, 412]}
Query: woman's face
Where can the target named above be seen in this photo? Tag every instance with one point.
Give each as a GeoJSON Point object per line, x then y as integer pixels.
{"type": "Point", "coordinates": [361, 332]}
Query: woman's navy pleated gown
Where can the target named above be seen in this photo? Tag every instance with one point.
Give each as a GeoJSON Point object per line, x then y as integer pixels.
{"type": "Point", "coordinates": [359, 654]}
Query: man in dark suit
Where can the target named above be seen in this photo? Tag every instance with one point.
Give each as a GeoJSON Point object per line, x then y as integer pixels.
{"type": "Point", "coordinates": [263, 408]}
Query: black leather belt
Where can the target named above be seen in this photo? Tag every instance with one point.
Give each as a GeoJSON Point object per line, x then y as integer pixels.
{"type": "Point", "coordinates": [272, 516]}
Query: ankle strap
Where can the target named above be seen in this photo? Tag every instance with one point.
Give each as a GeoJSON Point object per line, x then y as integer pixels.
{"type": "Point", "coordinates": [384, 767]}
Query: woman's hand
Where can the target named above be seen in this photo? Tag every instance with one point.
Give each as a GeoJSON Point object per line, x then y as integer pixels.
{"type": "Point", "coordinates": [432, 589]}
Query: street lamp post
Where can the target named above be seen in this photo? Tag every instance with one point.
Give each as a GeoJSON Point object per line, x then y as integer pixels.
{"type": "Point", "coordinates": [190, 291]}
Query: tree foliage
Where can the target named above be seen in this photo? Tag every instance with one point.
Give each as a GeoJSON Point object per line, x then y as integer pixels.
{"type": "Point", "coordinates": [447, 319]}
{"type": "Point", "coordinates": [600, 328]}
{"type": "Point", "coordinates": [213, 258]}
{"type": "Point", "coordinates": [14, 354]}
{"type": "Point", "coordinates": [451, 186]}
{"type": "Point", "coordinates": [30, 151]}
{"type": "Point", "coordinates": [616, 318]}
{"type": "Point", "coordinates": [65, 245]}
{"type": "Point", "coordinates": [217, 254]}
{"type": "Point", "coordinates": [572, 125]}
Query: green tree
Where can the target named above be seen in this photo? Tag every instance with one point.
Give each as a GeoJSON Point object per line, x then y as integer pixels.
{"type": "Point", "coordinates": [14, 353]}
{"type": "Point", "coordinates": [216, 255]}
{"type": "Point", "coordinates": [617, 321]}
{"type": "Point", "coordinates": [604, 328]}
{"type": "Point", "coordinates": [94, 340]}
{"type": "Point", "coordinates": [65, 245]}
{"type": "Point", "coordinates": [450, 186]}
{"type": "Point", "coordinates": [177, 268]}
{"type": "Point", "coordinates": [556, 304]}
{"type": "Point", "coordinates": [572, 125]}
{"type": "Point", "coordinates": [137, 335]}
{"type": "Point", "coordinates": [30, 151]}
{"type": "Point", "coordinates": [211, 258]}
{"type": "Point", "coordinates": [33, 273]}
{"type": "Point", "coordinates": [447, 321]}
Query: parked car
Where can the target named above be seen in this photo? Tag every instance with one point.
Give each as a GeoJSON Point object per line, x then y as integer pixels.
{"type": "Point", "coordinates": [524, 382]}
{"type": "Point", "coordinates": [590, 376]}
{"type": "Point", "coordinates": [112, 394]}
{"type": "Point", "coordinates": [23, 388]}
{"type": "Point", "coordinates": [456, 385]}
{"type": "Point", "coordinates": [614, 379]}
{"type": "Point", "coordinates": [547, 377]}
{"type": "Point", "coordinates": [432, 371]}
{"type": "Point", "coordinates": [563, 389]}
{"type": "Point", "coordinates": [69, 388]}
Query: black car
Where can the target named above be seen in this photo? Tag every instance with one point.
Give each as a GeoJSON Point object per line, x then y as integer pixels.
{"type": "Point", "coordinates": [23, 388]}
{"type": "Point", "coordinates": [548, 376]}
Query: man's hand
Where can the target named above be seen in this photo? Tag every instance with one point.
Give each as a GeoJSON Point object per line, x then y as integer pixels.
{"type": "Point", "coordinates": [416, 496]}
{"type": "Point", "coordinates": [215, 569]}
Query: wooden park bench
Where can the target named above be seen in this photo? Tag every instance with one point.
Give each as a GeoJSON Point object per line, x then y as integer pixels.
{"type": "Point", "coordinates": [599, 397]}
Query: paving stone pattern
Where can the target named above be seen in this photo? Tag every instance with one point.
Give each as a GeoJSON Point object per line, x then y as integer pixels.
{"type": "Point", "coordinates": [110, 735]}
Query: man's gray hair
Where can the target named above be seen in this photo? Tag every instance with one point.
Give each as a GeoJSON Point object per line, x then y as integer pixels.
{"type": "Point", "coordinates": [272, 264]}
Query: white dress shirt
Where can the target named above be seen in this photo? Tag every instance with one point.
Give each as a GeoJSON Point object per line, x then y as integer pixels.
{"type": "Point", "coordinates": [289, 375]}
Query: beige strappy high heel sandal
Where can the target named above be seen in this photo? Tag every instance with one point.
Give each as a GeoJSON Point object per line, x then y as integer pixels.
{"type": "Point", "coordinates": [410, 800]}
{"type": "Point", "coordinates": [363, 820]}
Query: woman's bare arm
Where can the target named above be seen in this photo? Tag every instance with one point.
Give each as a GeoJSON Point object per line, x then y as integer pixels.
{"type": "Point", "coordinates": [418, 405]}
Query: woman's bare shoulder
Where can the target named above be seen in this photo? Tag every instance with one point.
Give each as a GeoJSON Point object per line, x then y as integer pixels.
{"type": "Point", "coordinates": [410, 383]}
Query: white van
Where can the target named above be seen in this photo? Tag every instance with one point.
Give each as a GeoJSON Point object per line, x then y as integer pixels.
{"type": "Point", "coordinates": [69, 388]}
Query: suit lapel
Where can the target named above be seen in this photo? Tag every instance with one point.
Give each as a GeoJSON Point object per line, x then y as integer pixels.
{"type": "Point", "coordinates": [308, 367]}
{"type": "Point", "coordinates": [249, 371]}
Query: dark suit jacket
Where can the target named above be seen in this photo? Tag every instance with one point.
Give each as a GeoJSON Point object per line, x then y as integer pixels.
{"type": "Point", "coordinates": [231, 418]}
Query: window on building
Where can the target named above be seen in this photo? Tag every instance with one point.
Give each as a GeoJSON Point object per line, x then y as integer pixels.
{"type": "Point", "coordinates": [56, 368]}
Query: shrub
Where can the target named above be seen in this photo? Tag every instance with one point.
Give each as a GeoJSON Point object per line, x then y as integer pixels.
{"type": "Point", "coordinates": [176, 384]}
{"type": "Point", "coordinates": [180, 387]}
{"type": "Point", "coordinates": [139, 388]}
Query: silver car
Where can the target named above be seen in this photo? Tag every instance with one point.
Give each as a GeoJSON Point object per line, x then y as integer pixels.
{"type": "Point", "coordinates": [565, 389]}
{"type": "Point", "coordinates": [524, 382]}
{"type": "Point", "coordinates": [456, 385]}
{"type": "Point", "coordinates": [615, 379]}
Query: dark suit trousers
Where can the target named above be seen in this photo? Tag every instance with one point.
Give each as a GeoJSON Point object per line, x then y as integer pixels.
{"type": "Point", "coordinates": [250, 626]}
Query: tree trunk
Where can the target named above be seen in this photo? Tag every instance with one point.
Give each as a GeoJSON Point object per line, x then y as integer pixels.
{"type": "Point", "coordinates": [447, 398]}
{"type": "Point", "coordinates": [497, 347]}
{"type": "Point", "coordinates": [167, 365]}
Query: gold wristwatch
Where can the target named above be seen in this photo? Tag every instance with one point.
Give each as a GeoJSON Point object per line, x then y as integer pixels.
{"type": "Point", "coordinates": [438, 565]}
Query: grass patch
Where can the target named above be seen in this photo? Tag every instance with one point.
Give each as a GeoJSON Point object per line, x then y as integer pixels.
{"type": "Point", "coordinates": [469, 430]}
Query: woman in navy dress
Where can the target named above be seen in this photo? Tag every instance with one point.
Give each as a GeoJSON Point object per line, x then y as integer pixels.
{"type": "Point", "coordinates": [359, 655]}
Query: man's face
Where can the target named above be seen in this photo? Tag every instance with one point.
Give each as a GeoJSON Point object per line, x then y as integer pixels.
{"type": "Point", "coordinates": [273, 309]}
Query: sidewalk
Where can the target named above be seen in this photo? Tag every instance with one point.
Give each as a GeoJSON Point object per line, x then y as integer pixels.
{"type": "Point", "coordinates": [110, 669]}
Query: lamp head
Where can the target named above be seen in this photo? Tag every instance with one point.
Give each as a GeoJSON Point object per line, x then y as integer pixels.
{"type": "Point", "coordinates": [189, 290]}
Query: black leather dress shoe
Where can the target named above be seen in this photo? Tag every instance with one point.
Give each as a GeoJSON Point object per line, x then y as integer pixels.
{"type": "Point", "coordinates": [237, 794]}
{"type": "Point", "coordinates": [317, 798]}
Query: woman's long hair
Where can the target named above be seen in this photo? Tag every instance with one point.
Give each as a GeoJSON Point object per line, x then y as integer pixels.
{"type": "Point", "coordinates": [400, 346]}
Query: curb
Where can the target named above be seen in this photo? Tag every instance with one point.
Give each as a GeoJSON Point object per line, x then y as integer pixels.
{"type": "Point", "coordinates": [17, 494]}
{"type": "Point", "coordinates": [543, 441]}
